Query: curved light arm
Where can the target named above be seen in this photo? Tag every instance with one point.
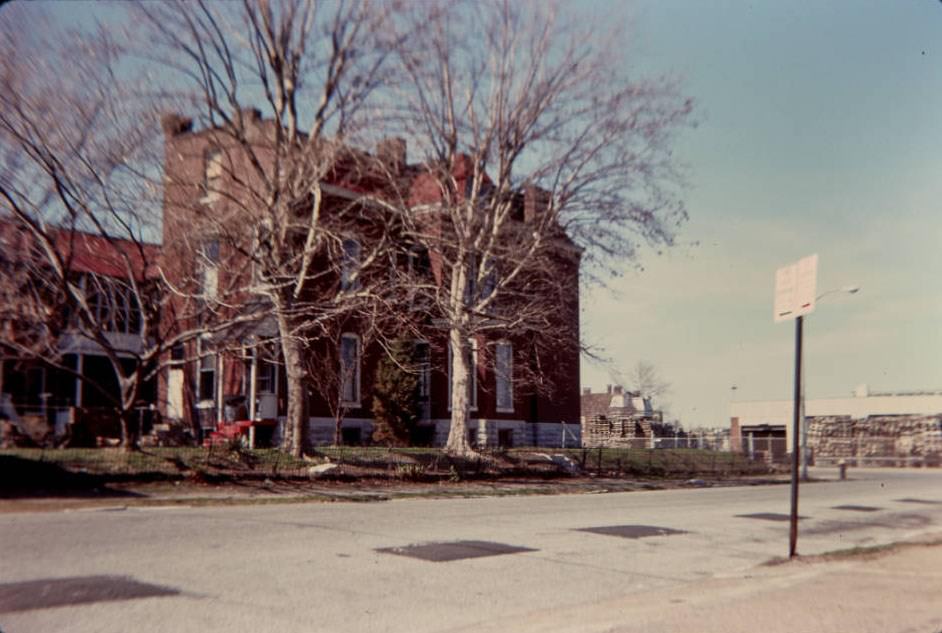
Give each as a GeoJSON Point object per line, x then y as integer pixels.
{"type": "Point", "coordinates": [848, 289]}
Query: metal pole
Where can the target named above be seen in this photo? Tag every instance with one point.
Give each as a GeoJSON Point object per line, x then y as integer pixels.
{"type": "Point", "coordinates": [793, 531]}
{"type": "Point", "coordinates": [804, 431]}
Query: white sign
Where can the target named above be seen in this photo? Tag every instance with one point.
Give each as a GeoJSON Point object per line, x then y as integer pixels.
{"type": "Point", "coordinates": [796, 286]}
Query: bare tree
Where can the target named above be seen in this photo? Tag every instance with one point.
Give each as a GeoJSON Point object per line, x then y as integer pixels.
{"type": "Point", "coordinates": [540, 150]}
{"type": "Point", "coordinates": [646, 381]}
{"type": "Point", "coordinates": [80, 214]}
{"type": "Point", "coordinates": [279, 89]}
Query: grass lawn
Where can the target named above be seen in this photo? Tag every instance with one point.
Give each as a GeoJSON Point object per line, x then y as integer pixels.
{"type": "Point", "coordinates": [403, 463]}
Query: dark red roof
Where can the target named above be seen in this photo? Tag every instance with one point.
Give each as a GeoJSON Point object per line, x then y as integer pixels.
{"type": "Point", "coordinates": [85, 252]}
{"type": "Point", "coordinates": [108, 256]}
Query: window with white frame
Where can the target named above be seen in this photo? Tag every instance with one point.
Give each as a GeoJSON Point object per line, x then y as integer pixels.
{"type": "Point", "coordinates": [474, 291]}
{"type": "Point", "coordinates": [212, 175]}
{"type": "Point", "coordinates": [422, 356]}
{"type": "Point", "coordinates": [350, 369]}
{"type": "Point", "coordinates": [423, 361]}
{"type": "Point", "coordinates": [350, 265]}
{"type": "Point", "coordinates": [266, 369]}
{"type": "Point", "coordinates": [209, 255]}
{"type": "Point", "coordinates": [503, 370]}
{"type": "Point", "coordinates": [207, 374]}
{"type": "Point", "coordinates": [112, 304]}
{"type": "Point", "coordinates": [472, 364]}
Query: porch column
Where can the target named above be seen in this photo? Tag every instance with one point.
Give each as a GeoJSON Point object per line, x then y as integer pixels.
{"type": "Point", "coordinates": [253, 387]}
{"type": "Point", "coordinates": [220, 384]}
{"type": "Point", "coordinates": [79, 374]}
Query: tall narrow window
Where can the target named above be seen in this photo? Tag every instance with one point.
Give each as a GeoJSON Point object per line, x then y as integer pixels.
{"type": "Point", "coordinates": [207, 375]}
{"type": "Point", "coordinates": [470, 282]}
{"type": "Point", "coordinates": [265, 376]}
{"type": "Point", "coordinates": [489, 283]}
{"type": "Point", "coordinates": [423, 362]}
{"type": "Point", "coordinates": [503, 369]}
{"type": "Point", "coordinates": [472, 363]}
{"type": "Point", "coordinates": [210, 268]}
{"type": "Point", "coordinates": [350, 369]}
{"type": "Point", "coordinates": [350, 265]}
{"type": "Point", "coordinates": [212, 175]}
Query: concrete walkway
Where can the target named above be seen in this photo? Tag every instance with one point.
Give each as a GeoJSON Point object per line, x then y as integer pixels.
{"type": "Point", "coordinates": [899, 592]}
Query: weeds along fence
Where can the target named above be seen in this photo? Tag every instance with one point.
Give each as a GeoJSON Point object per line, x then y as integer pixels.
{"type": "Point", "coordinates": [664, 462]}
{"type": "Point", "coordinates": [417, 464]}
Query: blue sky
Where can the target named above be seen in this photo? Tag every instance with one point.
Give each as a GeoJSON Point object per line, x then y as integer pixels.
{"type": "Point", "coordinates": [820, 131]}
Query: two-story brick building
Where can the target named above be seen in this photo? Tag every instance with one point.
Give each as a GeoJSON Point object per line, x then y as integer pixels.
{"type": "Point", "coordinates": [522, 390]}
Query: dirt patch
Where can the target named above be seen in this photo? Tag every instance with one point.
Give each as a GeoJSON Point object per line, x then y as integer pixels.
{"type": "Point", "coordinates": [866, 552]}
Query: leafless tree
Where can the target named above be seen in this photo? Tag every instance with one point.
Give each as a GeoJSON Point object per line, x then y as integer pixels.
{"type": "Point", "coordinates": [645, 380]}
{"type": "Point", "coordinates": [280, 89]}
{"type": "Point", "coordinates": [540, 150]}
{"type": "Point", "coordinates": [79, 212]}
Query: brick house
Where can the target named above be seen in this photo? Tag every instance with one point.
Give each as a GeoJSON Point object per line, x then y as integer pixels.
{"type": "Point", "coordinates": [248, 384]}
{"type": "Point", "coordinates": [74, 393]}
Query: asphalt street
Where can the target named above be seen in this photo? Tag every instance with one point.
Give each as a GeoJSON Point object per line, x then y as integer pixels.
{"type": "Point", "coordinates": [425, 564]}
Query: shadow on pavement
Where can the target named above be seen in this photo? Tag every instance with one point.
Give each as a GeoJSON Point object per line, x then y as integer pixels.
{"type": "Point", "coordinates": [21, 478]}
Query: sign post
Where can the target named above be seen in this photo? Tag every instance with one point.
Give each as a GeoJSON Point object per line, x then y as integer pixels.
{"type": "Point", "coordinates": [795, 291]}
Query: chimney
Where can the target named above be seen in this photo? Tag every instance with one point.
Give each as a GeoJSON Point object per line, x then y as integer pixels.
{"type": "Point", "coordinates": [608, 389]}
{"type": "Point", "coordinates": [251, 115]}
{"type": "Point", "coordinates": [392, 152]}
{"type": "Point", "coordinates": [535, 202]}
{"type": "Point", "coordinates": [618, 390]}
{"type": "Point", "coordinates": [175, 124]}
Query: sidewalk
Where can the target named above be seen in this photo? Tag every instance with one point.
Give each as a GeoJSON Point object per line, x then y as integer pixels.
{"type": "Point", "coordinates": [898, 592]}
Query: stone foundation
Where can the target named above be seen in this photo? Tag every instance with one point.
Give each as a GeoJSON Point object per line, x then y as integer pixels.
{"type": "Point", "coordinates": [486, 433]}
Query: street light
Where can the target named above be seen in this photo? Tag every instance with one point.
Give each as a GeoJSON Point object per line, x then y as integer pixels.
{"type": "Point", "coordinates": [849, 289]}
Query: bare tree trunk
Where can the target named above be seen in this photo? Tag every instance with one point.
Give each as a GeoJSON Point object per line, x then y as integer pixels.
{"type": "Point", "coordinates": [293, 441]}
{"type": "Point", "coordinates": [460, 376]}
{"type": "Point", "coordinates": [130, 433]}
{"type": "Point", "coordinates": [338, 423]}
{"type": "Point", "coordinates": [130, 428]}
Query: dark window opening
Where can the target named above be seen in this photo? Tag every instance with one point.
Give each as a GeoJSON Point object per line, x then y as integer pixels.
{"type": "Point", "coordinates": [351, 436]}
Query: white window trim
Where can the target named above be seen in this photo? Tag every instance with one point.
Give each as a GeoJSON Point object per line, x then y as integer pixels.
{"type": "Point", "coordinates": [425, 378]}
{"type": "Point", "coordinates": [509, 377]}
{"type": "Point", "coordinates": [425, 369]}
{"type": "Point", "coordinates": [353, 404]}
{"type": "Point", "coordinates": [472, 375]}
{"type": "Point", "coordinates": [212, 162]}
{"type": "Point", "coordinates": [201, 353]}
